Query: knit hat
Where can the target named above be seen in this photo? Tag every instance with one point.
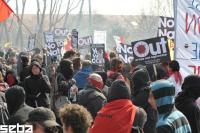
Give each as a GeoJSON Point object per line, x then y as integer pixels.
{"type": "Point", "coordinates": [140, 79]}
{"type": "Point", "coordinates": [174, 65]}
{"type": "Point", "coordinates": [164, 94]}
{"type": "Point", "coordinates": [96, 81]}
{"type": "Point", "coordinates": [192, 84]}
{"type": "Point", "coordinates": [36, 63]}
{"type": "Point", "coordinates": [119, 90]}
{"type": "Point", "coordinates": [43, 115]}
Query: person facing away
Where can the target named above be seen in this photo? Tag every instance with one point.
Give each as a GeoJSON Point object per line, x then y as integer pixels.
{"type": "Point", "coordinates": [82, 75]}
{"type": "Point", "coordinates": [37, 87]}
{"type": "Point", "coordinates": [185, 101]}
{"type": "Point", "coordinates": [91, 97]}
{"type": "Point", "coordinates": [119, 115]}
{"type": "Point", "coordinates": [43, 120]}
{"type": "Point", "coordinates": [141, 97]}
{"type": "Point", "coordinates": [18, 109]}
{"type": "Point", "coordinates": [75, 118]}
{"type": "Point", "coordinates": [170, 120]}
{"type": "Point", "coordinates": [175, 76]}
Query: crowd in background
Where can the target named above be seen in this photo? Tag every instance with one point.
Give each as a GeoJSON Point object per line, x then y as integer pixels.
{"type": "Point", "coordinates": [72, 95]}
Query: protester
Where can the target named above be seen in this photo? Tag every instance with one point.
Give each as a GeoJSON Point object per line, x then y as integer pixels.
{"type": "Point", "coordinates": [76, 64]}
{"type": "Point", "coordinates": [141, 97]}
{"type": "Point", "coordinates": [3, 85]}
{"type": "Point", "coordinates": [185, 101]}
{"type": "Point", "coordinates": [43, 121]}
{"type": "Point", "coordinates": [70, 54]}
{"type": "Point", "coordinates": [18, 110]}
{"type": "Point", "coordinates": [75, 119]}
{"type": "Point", "coordinates": [91, 97]}
{"type": "Point", "coordinates": [66, 89]}
{"type": "Point", "coordinates": [25, 61]}
{"type": "Point", "coordinates": [4, 114]}
{"type": "Point", "coordinates": [37, 87]}
{"type": "Point", "coordinates": [115, 72]}
{"type": "Point", "coordinates": [119, 115]}
{"type": "Point", "coordinates": [170, 119]}
{"type": "Point", "coordinates": [175, 76]}
{"type": "Point", "coordinates": [82, 75]}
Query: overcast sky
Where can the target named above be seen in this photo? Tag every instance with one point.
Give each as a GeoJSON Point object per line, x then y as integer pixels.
{"type": "Point", "coordinates": [107, 7]}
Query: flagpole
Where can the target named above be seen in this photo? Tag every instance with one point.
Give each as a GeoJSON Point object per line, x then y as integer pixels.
{"type": "Point", "coordinates": [19, 20]}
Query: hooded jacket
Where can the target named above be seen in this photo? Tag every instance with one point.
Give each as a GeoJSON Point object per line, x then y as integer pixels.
{"type": "Point", "coordinates": [15, 97]}
{"type": "Point", "coordinates": [37, 88]}
{"type": "Point", "coordinates": [81, 77]}
{"type": "Point", "coordinates": [170, 119]}
{"type": "Point", "coordinates": [185, 101]}
{"type": "Point", "coordinates": [140, 95]}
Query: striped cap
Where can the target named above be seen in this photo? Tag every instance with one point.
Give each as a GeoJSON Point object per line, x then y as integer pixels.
{"type": "Point", "coordinates": [163, 92]}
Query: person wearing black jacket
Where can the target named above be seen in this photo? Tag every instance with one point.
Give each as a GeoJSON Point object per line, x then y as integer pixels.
{"type": "Point", "coordinates": [91, 97]}
{"type": "Point", "coordinates": [18, 110]}
{"type": "Point", "coordinates": [185, 101]}
{"type": "Point", "coordinates": [37, 87]}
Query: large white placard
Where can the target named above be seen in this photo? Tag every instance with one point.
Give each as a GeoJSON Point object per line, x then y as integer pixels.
{"type": "Point", "coordinates": [187, 50]}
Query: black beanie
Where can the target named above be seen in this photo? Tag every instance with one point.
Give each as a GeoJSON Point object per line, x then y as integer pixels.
{"type": "Point", "coordinates": [140, 79]}
{"type": "Point", "coordinates": [174, 65]}
{"type": "Point", "coordinates": [192, 84]}
{"type": "Point", "coordinates": [119, 90]}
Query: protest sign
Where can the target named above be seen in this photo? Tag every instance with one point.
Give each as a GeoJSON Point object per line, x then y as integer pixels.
{"type": "Point", "coordinates": [151, 51]}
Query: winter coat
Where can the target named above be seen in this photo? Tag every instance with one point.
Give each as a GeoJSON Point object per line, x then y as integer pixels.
{"type": "Point", "coordinates": [170, 119]}
{"type": "Point", "coordinates": [115, 117]}
{"type": "Point", "coordinates": [189, 108]}
{"type": "Point", "coordinates": [92, 99]}
{"type": "Point", "coordinates": [81, 77]}
{"type": "Point", "coordinates": [4, 114]}
{"type": "Point", "coordinates": [37, 88]}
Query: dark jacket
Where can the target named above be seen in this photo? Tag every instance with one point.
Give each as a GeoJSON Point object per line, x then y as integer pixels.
{"type": "Point", "coordinates": [92, 99]}
{"type": "Point", "coordinates": [189, 108]}
{"type": "Point", "coordinates": [140, 94]}
{"type": "Point", "coordinates": [25, 72]}
{"type": "Point", "coordinates": [37, 88]}
{"type": "Point", "coordinates": [15, 97]}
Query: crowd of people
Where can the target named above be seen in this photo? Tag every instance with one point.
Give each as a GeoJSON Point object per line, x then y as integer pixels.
{"type": "Point", "coordinates": [72, 95]}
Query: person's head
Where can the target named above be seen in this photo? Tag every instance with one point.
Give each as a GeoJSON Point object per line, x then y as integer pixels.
{"type": "Point", "coordinates": [35, 68]}
{"type": "Point", "coordinates": [103, 75]}
{"type": "Point", "coordinates": [38, 58]}
{"type": "Point", "coordinates": [86, 63]}
{"type": "Point", "coordinates": [43, 121]}
{"type": "Point", "coordinates": [191, 86]}
{"type": "Point", "coordinates": [66, 68]}
{"type": "Point", "coordinates": [174, 66]}
{"type": "Point", "coordinates": [160, 73]}
{"type": "Point", "coordinates": [25, 58]}
{"type": "Point", "coordinates": [119, 90]}
{"type": "Point", "coordinates": [15, 97]}
{"type": "Point", "coordinates": [113, 55]}
{"type": "Point", "coordinates": [164, 93]}
{"type": "Point", "coordinates": [116, 65]}
{"type": "Point", "coordinates": [11, 78]}
{"type": "Point", "coordinates": [75, 118]}
{"type": "Point", "coordinates": [69, 54]}
{"type": "Point", "coordinates": [96, 81]}
{"type": "Point", "coordinates": [140, 79]}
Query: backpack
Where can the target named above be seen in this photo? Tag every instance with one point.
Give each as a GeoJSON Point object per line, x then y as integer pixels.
{"type": "Point", "coordinates": [112, 79]}
{"type": "Point", "coordinates": [4, 115]}
{"type": "Point", "coordinates": [139, 121]}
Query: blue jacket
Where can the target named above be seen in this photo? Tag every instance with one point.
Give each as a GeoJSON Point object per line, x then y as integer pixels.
{"type": "Point", "coordinates": [81, 77]}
